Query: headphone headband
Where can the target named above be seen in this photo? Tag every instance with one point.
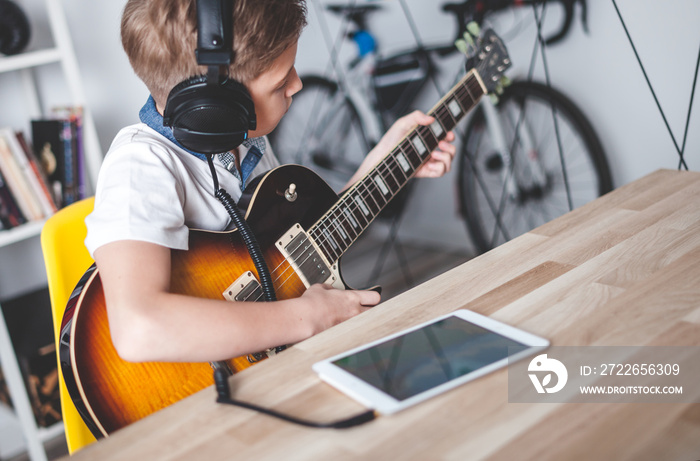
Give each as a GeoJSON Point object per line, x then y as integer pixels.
{"type": "Point", "coordinates": [211, 113]}
{"type": "Point", "coordinates": [214, 32]}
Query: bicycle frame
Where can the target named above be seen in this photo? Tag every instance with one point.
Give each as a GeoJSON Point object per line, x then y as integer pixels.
{"type": "Point", "coordinates": [356, 85]}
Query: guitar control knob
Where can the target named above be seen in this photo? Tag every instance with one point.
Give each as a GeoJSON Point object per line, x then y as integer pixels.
{"type": "Point", "coordinates": [291, 193]}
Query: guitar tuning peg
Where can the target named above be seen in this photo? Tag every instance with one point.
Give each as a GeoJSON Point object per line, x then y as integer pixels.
{"type": "Point", "coordinates": [494, 98]}
{"type": "Point", "coordinates": [473, 28]}
{"type": "Point", "coordinates": [468, 38]}
{"type": "Point", "coordinates": [499, 89]}
{"type": "Point", "coordinates": [461, 46]}
{"type": "Point", "coordinates": [505, 81]}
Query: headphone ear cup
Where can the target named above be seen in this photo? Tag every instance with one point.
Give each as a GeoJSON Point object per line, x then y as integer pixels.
{"type": "Point", "coordinates": [209, 119]}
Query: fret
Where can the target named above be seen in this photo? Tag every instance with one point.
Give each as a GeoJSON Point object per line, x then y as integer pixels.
{"type": "Point", "coordinates": [323, 242]}
{"type": "Point", "coordinates": [352, 220]}
{"type": "Point", "coordinates": [367, 200]}
{"type": "Point", "coordinates": [445, 118]}
{"type": "Point", "coordinates": [392, 181]}
{"type": "Point", "coordinates": [363, 206]}
{"type": "Point", "coordinates": [469, 92]}
{"type": "Point", "coordinates": [377, 195]}
{"type": "Point", "coordinates": [339, 235]}
{"type": "Point", "coordinates": [410, 152]}
{"type": "Point", "coordinates": [452, 121]}
{"type": "Point", "coordinates": [345, 226]}
{"type": "Point", "coordinates": [419, 145]}
{"type": "Point", "coordinates": [345, 231]}
{"type": "Point", "coordinates": [437, 127]}
{"type": "Point", "coordinates": [329, 239]}
{"type": "Point", "coordinates": [356, 217]}
{"type": "Point", "coordinates": [381, 185]}
{"type": "Point", "coordinates": [430, 140]}
{"type": "Point", "coordinates": [403, 163]}
{"type": "Point", "coordinates": [473, 87]}
{"type": "Point", "coordinates": [397, 170]}
{"type": "Point", "coordinates": [370, 198]}
{"type": "Point", "coordinates": [455, 108]}
{"type": "Point", "coordinates": [341, 231]}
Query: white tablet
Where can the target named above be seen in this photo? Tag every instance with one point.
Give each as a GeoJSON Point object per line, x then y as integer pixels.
{"type": "Point", "coordinates": [400, 370]}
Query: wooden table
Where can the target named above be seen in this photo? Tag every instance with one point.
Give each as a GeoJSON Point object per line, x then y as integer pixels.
{"type": "Point", "coordinates": [622, 270]}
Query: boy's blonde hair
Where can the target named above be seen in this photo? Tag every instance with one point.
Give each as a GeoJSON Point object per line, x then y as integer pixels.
{"type": "Point", "coordinates": [160, 36]}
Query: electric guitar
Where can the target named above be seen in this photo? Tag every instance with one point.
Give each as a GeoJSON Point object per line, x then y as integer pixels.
{"type": "Point", "coordinates": [302, 227]}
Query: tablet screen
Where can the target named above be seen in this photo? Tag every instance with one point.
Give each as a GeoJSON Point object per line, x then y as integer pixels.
{"type": "Point", "coordinates": [422, 359]}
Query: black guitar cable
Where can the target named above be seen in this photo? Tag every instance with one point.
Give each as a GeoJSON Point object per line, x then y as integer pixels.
{"type": "Point", "coordinates": [224, 396]}
{"type": "Point", "coordinates": [246, 234]}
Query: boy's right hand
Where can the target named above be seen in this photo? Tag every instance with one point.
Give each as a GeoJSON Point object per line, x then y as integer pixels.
{"type": "Point", "coordinates": [329, 306]}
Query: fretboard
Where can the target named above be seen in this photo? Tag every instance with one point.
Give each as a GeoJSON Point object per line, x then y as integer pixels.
{"type": "Point", "coordinates": [357, 208]}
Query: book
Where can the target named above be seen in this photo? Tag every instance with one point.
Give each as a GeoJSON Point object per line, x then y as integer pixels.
{"type": "Point", "coordinates": [56, 146]}
{"type": "Point", "coordinates": [75, 116]}
{"type": "Point", "coordinates": [10, 214]}
{"type": "Point", "coordinates": [70, 163]}
{"type": "Point", "coordinates": [17, 183]}
{"type": "Point", "coordinates": [38, 170]}
{"type": "Point", "coordinates": [30, 175]}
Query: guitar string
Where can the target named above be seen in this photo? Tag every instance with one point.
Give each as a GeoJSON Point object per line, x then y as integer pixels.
{"type": "Point", "coordinates": [439, 115]}
{"type": "Point", "coordinates": [324, 233]}
{"type": "Point", "coordinates": [320, 239]}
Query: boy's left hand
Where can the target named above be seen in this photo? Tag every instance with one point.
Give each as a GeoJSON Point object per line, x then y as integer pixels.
{"type": "Point", "coordinates": [440, 161]}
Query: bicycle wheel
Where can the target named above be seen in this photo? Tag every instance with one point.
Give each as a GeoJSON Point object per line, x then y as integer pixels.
{"type": "Point", "coordinates": [549, 168]}
{"type": "Point", "coordinates": [321, 131]}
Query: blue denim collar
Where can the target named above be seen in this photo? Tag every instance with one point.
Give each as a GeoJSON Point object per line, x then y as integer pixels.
{"type": "Point", "coordinates": [150, 116]}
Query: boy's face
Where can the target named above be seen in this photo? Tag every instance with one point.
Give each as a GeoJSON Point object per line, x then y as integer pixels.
{"type": "Point", "coordinates": [272, 91]}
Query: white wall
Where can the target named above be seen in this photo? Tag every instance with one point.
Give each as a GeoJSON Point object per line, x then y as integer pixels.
{"type": "Point", "coordinates": [597, 70]}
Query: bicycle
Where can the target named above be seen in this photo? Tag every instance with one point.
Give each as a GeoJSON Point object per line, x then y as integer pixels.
{"type": "Point", "coordinates": [523, 161]}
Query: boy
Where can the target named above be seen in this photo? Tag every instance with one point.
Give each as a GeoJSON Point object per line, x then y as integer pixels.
{"type": "Point", "coordinates": [151, 190]}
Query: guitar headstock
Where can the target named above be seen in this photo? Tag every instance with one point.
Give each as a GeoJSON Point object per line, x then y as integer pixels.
{"type": "Point", "coordinates": [487, 54]}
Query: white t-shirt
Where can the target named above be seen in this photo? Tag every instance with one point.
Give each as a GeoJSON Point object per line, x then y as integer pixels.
{"type": "Point", "coordinates": [151, 190]}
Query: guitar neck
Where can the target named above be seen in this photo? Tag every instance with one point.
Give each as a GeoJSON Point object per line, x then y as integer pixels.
{"type": "Point", "coordinates": [336, 230]}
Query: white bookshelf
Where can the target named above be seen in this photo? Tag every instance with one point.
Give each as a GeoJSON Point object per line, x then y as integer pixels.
{"type": "Point", "coordinates": [27, 234]}
{"type": "Point", "coordinates": [21, 233]}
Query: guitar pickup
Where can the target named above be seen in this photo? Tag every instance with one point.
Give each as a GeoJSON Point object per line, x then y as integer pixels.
{"type": "Point", "coordinates": [245, 288]}
{"type": "Point", "coordinates": [307, 260]}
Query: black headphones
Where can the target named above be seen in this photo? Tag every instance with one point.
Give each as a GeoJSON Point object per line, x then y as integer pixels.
{"type": "Point", "coordinates": [211, 113]}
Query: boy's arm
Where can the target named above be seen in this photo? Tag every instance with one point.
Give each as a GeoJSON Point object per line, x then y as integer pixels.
{"type": "Point", "coordinates": [440, 160]}
{"type": "Point", "coordinates": [148, 323]}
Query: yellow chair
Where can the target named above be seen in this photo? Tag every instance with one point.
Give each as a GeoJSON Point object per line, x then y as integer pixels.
{"type": "Point", "coordinates": [66, 259]}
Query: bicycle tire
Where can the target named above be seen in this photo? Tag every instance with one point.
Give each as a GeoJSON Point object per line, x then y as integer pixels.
{"type": "Point", "coordinates": [492, 214]}
{"type": "Point", "coordinates": [321, 131]}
